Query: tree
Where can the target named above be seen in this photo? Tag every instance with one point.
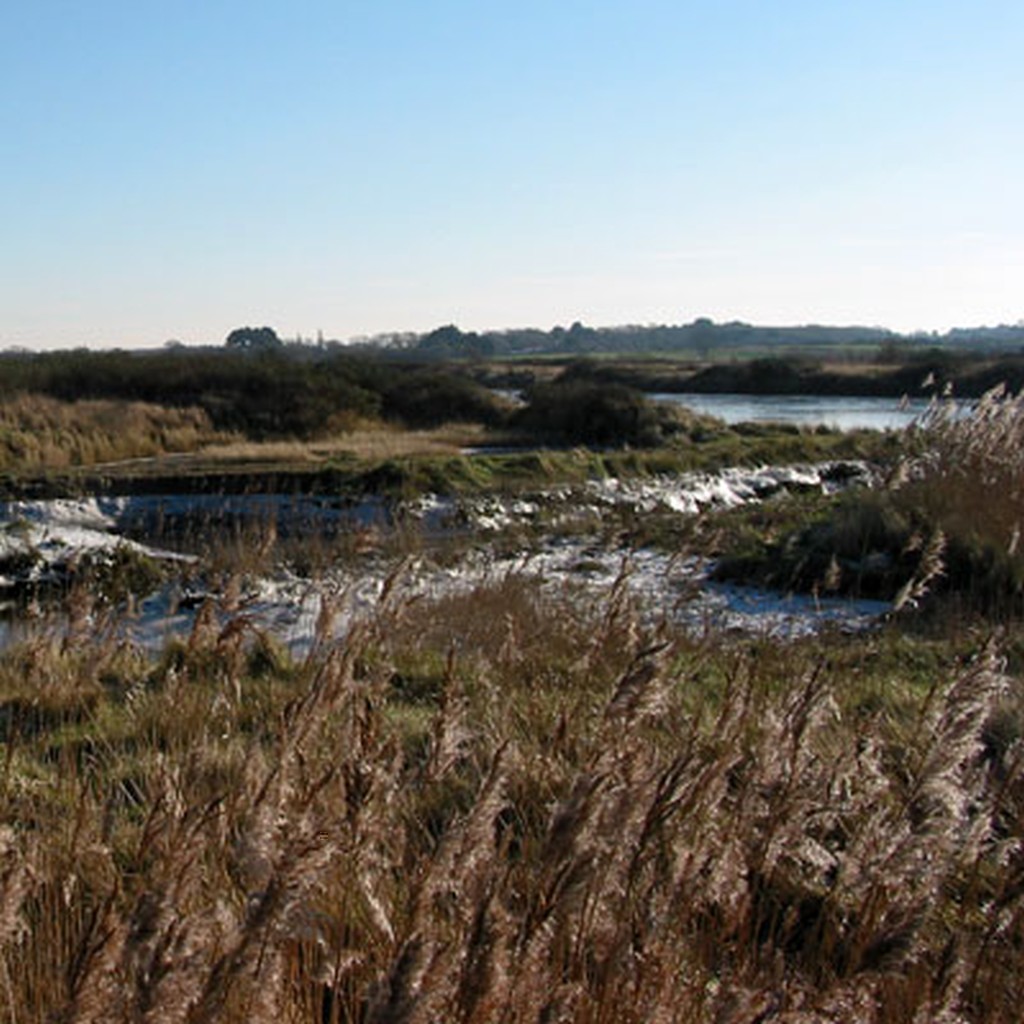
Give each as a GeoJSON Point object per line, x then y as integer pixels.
{"type": "Point", "coordinates": [450, 341]}
{"type": "Point", "coordinates": [253, 339]}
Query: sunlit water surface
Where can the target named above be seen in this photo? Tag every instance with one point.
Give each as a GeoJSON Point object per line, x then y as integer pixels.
{"type": "Point", "coordinates": [842, 412]}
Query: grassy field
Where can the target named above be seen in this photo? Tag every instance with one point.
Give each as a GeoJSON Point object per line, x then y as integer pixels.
{"type": "Point", "coordinates": [506, 805]}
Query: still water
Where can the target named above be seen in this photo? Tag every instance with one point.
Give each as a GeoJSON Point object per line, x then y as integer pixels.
{"type": "Point", "coordinates": [842, 412]}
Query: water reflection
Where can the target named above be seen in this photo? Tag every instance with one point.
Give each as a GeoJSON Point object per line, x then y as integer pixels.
{"type": "Point", "coordinates": [842, 412]}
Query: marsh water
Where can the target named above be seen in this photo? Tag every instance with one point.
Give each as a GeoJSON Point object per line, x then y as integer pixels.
{"type": "Point", "coordinates": [457, 545]}
{"type": "Point", "coordinates": [842, 412]}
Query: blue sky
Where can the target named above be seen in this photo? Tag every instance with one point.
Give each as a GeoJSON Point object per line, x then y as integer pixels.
{"type": "Point", "coordinates": [175, 170]}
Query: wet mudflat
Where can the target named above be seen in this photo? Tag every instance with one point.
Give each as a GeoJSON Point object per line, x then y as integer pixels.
{"type": "Point", "coordinates": [344, 551]}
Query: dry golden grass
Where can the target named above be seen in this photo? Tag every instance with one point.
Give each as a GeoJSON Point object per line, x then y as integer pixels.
{"type": "Point", "coordinates": [362, 440]}
{"type": "Point", "coordinates": [37, 432]}
{"type": "Point", "coordinates": [964, 480]}
{"type": "Point", "coordinates": [506, 807]}
{"type": "Point", "coordinates": [847, 368]}
{"type": "Point", "coordinates": [970, 476]}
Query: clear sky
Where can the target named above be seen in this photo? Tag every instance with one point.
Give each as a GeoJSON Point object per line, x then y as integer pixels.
{"type": "Point", "coordinates": [178, 169]}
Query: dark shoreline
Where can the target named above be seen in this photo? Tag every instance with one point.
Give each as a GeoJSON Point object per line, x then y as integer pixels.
{"type": "Point", "coordinates": [784, 375]}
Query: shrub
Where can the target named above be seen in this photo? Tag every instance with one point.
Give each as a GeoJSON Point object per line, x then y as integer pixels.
{"type": "Point", "coordinates": [430, 397]}
{"type": "Point", "coordinates": [773, 375]}
{"type": "Point", "coordinates": [582, 411]}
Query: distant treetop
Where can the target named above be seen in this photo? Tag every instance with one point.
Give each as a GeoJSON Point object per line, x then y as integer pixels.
{"type": "Point", "coordinates": [253, 339]}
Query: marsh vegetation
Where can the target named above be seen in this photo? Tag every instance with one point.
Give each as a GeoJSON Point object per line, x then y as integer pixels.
{"type": "Point", "coordinates": [518, 802]}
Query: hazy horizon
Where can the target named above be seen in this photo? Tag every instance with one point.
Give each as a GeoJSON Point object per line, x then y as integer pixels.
{"type": "Point", "coordinates": [354, 170]}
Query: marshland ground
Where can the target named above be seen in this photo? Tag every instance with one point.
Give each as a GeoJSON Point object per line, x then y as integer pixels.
{"type": "Point", "coordinates": [514, 802]}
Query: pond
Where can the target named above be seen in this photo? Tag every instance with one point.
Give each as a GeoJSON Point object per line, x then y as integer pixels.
{"type": "Point", "coordinates": [843, 412]}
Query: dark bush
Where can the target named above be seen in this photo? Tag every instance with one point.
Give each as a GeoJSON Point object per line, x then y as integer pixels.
{"type": "Point", "coordinates": [773, 375]}
{"type": "Point", "coordinates": [422, 397]}
{"type": "Point", "coordinates": [581, 411]}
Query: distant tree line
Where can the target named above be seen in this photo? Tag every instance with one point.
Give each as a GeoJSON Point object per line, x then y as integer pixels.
{"type": "Point", "coordinates": [256, 384]}
{"type": "Point", "coordinates": [702, 338]}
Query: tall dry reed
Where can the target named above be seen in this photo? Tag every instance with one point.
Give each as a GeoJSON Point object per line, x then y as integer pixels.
{"type": "Point", "coordinates": [965, 476]}
{"type": "Point", "coordinates": [507, 807]}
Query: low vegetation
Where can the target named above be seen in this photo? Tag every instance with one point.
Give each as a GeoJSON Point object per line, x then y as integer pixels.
{"type": "Point", "coordinates": [261, 395]}
{"type": "Point", "coordinates": [464, 437]}
{"type": "Point", "coordinates": [78, 408]}
{"type": "Point", "coordinates": [892, 373]}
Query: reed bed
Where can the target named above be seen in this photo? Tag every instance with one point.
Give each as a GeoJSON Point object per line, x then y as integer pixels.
{"type": "Point", "coordinates": [39, 432]}
{"type": "Point", "coordinates": [963, 480]}
{"type": "Point", "coordinates": [944, 534]}
{"type": "Point", "coordinates": [505, 807]}
{"type": "Point", "coordinates": [970, 476]}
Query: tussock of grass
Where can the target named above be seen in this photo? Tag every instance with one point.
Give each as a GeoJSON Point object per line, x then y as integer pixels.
{"type": "Point", "coordinates": [508, 806]}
